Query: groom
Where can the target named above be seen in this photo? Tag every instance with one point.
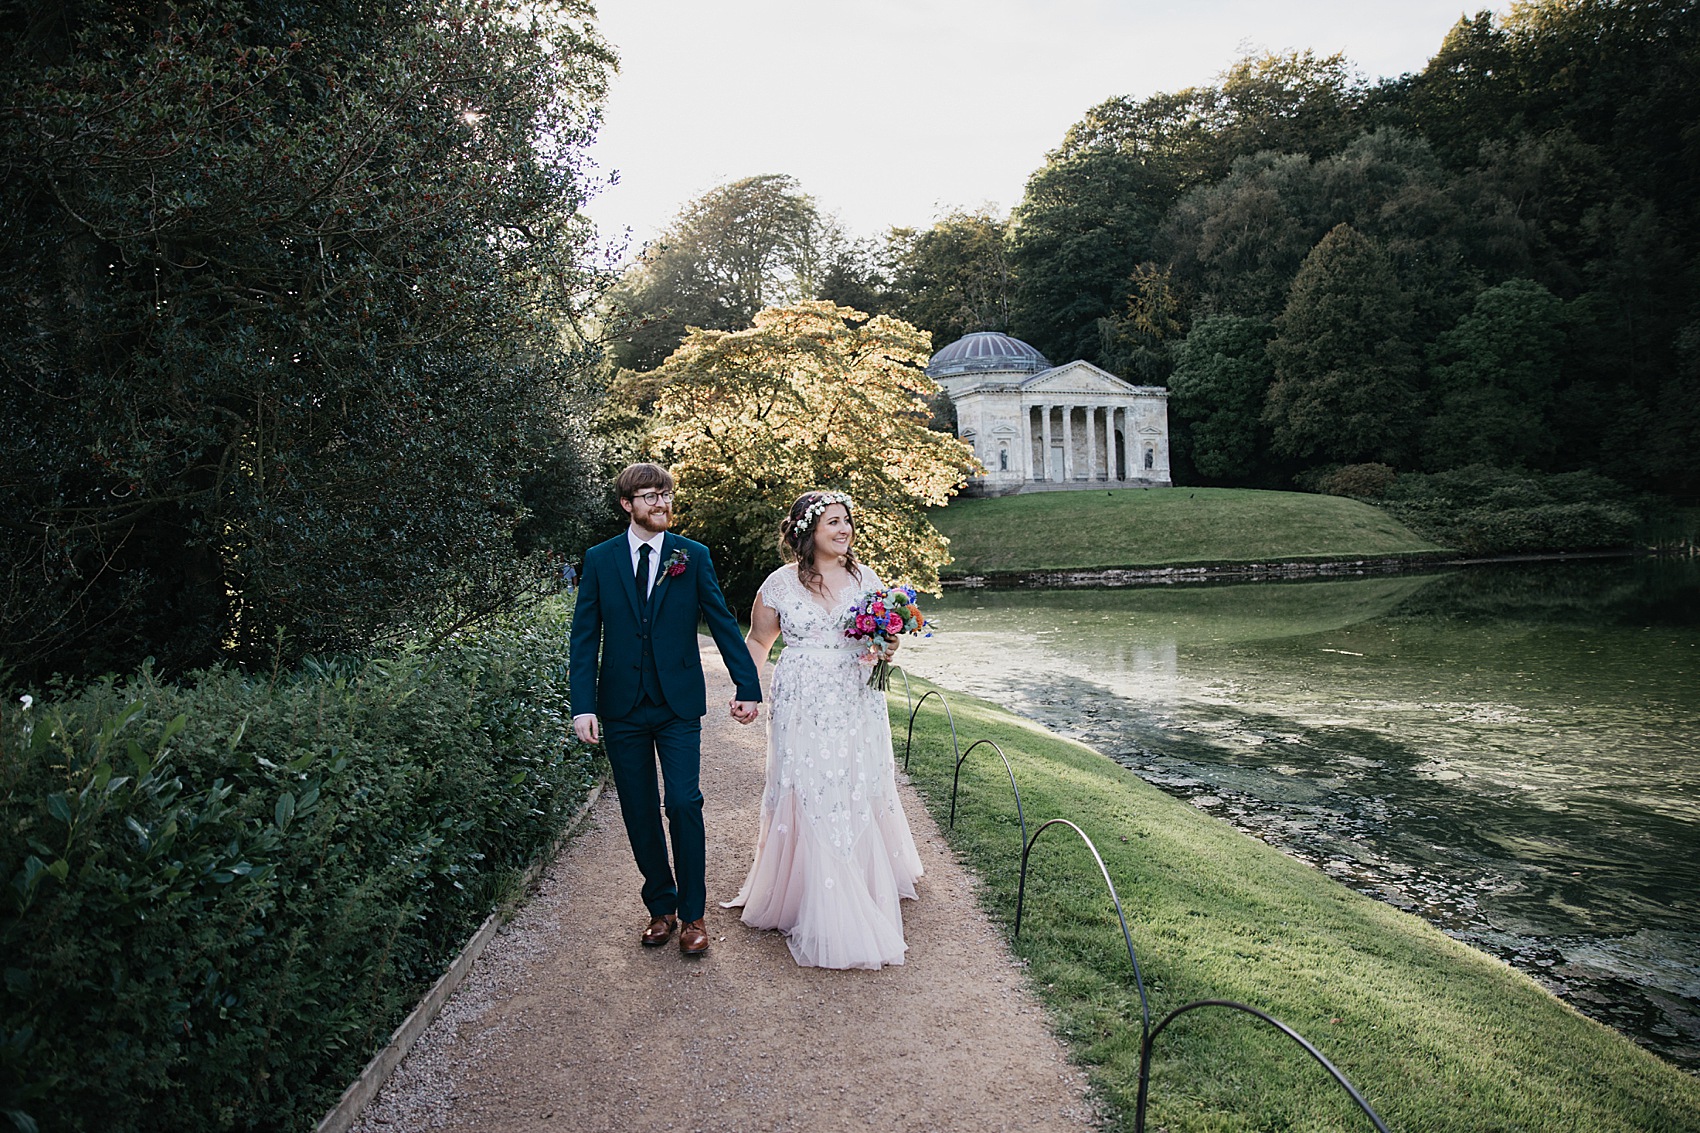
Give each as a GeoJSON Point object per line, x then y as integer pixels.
{"type": "Point", "coordinates": [637, 683]}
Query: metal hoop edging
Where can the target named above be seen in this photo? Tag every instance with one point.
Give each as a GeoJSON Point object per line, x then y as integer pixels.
{"type": "Point", "coordinates": [1151, 1039]}
{"type": "Point", "coordinates": [948, 715]}
{"type": "Point", "coordinates": [956, 781]}
{"type": "Point", "coordinates": [1127, 937]}
{"type": "Point", "coordinates": [908, 700]}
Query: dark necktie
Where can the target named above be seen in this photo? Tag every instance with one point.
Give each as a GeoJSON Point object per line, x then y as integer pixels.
{"type": "Point", "coordinates": [643, 572]}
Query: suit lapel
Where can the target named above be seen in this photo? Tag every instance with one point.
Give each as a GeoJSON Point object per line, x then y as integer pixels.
{"type": "Point", "coordinates": [623, 557]}
{"type": "Point", "coordinates": [657, 595]}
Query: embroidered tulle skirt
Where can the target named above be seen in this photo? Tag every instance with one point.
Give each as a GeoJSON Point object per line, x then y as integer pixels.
{"type": "Point", "coordinates": [834, 856]}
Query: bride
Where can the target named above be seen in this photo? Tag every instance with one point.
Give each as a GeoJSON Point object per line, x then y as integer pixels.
{"type": "Point", "coordinates": [834, 853]}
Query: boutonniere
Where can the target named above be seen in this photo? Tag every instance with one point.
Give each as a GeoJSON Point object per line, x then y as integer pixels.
{"type": "Point", "coordinates": [675, 564]}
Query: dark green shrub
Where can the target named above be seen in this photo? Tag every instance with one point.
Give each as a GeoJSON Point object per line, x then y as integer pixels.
{"type": "Point", "coordinates": [1360, 481]}
{"type": "Point", "coordinates": [334, 390]}
{"type": "Point", "coordinates": [222, 895]}
{"type": "Point", "coordinates": [1485, 510]}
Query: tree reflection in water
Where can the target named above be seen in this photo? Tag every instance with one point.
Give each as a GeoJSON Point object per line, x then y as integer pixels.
{"type": "Point", "coordinates": [1512, 752]}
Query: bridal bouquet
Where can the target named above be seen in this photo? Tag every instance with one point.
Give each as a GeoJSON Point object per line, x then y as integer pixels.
{"type": "Point", "coordinates": [878, 617]}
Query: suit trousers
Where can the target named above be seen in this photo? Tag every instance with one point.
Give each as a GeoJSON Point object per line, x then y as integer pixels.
{"type": "Point", "coordinates": [652, 733]}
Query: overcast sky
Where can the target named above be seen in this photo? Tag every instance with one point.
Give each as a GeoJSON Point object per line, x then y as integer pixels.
{"type": "Point", "coordinates": [894, 112]}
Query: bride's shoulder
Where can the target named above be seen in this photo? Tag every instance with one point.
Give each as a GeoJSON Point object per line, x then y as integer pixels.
{"type": "Point", "coordinates": [778, 582]}
{"type": "Point", "coordinates": [868, 578]}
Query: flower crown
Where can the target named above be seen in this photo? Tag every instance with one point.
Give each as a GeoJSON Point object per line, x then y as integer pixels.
{"type": "Point", "coordinates": [813, 511]}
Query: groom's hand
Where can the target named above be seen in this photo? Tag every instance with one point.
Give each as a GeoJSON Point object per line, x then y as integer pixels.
{"type": "Point", "coordinates": [588, 728]}
{"type": "Point", "coordinates": [744, 711]}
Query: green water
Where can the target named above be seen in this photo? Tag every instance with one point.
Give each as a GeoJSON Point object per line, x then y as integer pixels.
{"type": "Point", "coordinates": [1512, 752]}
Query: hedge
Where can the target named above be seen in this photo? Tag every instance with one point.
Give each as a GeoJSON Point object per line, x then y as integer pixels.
{"type": "Point", "coordinates": [1493, 511]}
{"type": "Point", "coordinates": [224, 893]}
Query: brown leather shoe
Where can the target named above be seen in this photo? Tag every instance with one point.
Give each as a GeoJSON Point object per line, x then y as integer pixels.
{"type": "Point", "coordinates": [659, 930]}
{"type": "Point", "coordinates": [693, 938]}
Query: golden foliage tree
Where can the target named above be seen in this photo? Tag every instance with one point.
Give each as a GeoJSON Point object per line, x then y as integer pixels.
{"type": "Point", "coordinates": [811, 396]}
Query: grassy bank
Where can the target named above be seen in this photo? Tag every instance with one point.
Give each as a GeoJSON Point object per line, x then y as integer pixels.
{"type": "Point", "coordinates": [1436, 1035]}
{"type": "Point", "coordinates": [1164, 527]}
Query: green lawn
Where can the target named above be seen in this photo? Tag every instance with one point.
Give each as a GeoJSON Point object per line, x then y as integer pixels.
{"type": "Point", "coordinates": [1436, 1035]}
{"type": "Point", "coordinates": [1163, 527]}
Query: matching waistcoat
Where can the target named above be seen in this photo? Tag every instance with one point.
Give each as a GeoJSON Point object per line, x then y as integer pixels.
{"type": "Point", "coordinates": [649, 678]}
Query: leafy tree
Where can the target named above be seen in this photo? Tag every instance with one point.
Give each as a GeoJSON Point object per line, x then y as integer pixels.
{"type": "Point", "coordinates": [1467, 94]}
{"type": "Point", "coordinates": [1345, 375]}
{"type": "Point", "coordinates": [757, 242]}
{"type": "Point", "coordinates": [1577, 119]}
{"type": "Point", "coordinates": [1674, 437]}
{"type": "Point", "coordinates": [955, 277]}
{"type": "Point", "coordinates": [812, 396]}
{"type": "Point", "coordinates": [1493, 378]}
{"type": "Point", "coordinates": [1621, 74]}
{"type": "Point", "coordinates": [1240, 242]}
{"type": "Point", "coordinates": [1222, 375]}
{"type": "Point", "coordinates": [1138, 342]}
{"type": "Point", "coordinates": [282, 300]}
{"type": "Point", "coordinates": [1175, 135]}
{"type": "Point", "coordinates": [1090, 217]}
{"type": "Point", "coordinates": [857, 276]}
{"type": "Point", "coordinates": [1295, 102]}
{"type": "Point", "coordinates": [1084, 225]}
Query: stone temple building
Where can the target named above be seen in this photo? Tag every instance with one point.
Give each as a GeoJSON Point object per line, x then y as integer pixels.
{"type": "Point", "coordinates": [1039, 427]}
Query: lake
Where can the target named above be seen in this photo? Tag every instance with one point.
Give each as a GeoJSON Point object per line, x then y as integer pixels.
{"type": "Point", "coordinates": [1511, 751]}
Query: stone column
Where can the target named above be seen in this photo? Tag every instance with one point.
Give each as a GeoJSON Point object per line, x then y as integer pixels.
{"type": "Point", "coordinates": [1092, 442]}
{"type": "Point", "coordinates": [1110, 443]}
{"type": "Point", "coordinates": [1068, 443]}
{"type": "Point", "coordinates": [1045, 441]}
{"type": "Point", "coordinates": [1126, 463]}
{"type": "Point", "coordinates": [1027, 443]}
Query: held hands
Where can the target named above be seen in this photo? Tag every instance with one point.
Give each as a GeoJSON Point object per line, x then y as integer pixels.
{"type": "Point", "coordinates": [744, 711]}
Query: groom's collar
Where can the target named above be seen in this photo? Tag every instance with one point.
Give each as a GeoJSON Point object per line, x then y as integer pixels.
{"type": "Point", "coordinates": [633, 542]}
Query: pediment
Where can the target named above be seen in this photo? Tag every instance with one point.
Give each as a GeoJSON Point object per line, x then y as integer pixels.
{"type": "Point", "coordinates": [1079, 377]}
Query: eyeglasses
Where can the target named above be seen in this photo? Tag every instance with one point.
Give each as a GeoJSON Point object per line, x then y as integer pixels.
{"type": "Point", "coordinates": [650, 499]}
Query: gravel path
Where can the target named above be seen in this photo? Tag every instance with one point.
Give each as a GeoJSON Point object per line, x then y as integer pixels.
{"type": "Point", "coordinates": [566, 1023]}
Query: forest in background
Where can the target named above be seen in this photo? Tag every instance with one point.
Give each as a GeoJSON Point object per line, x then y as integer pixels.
{"type": "Point", "coordinates": [1489, 262]}
{"type": "Point", "coordinates": [295, 367]}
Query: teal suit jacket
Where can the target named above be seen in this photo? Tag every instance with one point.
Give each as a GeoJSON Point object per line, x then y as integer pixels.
{"type": "Point", "coordinates": [605, 650]}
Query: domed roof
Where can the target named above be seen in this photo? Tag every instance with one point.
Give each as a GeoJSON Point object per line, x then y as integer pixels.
{"type": "Point", "coordinates": [983, 351]}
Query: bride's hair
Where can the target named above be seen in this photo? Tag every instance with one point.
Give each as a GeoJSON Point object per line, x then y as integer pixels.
{"type": "Point", "coordinates": [797, 534]}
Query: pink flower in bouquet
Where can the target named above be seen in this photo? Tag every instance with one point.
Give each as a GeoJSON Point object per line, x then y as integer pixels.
{"type": "Point", "coordinates": [879, 617]}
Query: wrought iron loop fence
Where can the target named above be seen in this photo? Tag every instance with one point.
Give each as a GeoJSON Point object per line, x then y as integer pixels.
{"type": "Point", "coordinates": [948, 715]}
{"type": "Point", "coordinates": [1148, 1033]}
{"type": "Point", "coordinates": [1127, 937]}
{"type": "Point", "coordinates": [956, 783]}
{"type": "Point", "coordinates": [1151, 1040]}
